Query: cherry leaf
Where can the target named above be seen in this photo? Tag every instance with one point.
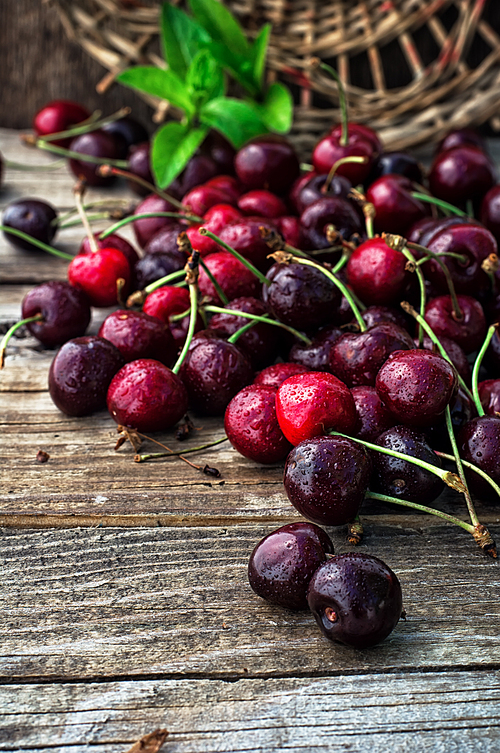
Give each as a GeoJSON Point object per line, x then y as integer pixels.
{"type": "Point", "coordinates": [173, 146]}
{"type": "Point", "coordinates": [235, 119]}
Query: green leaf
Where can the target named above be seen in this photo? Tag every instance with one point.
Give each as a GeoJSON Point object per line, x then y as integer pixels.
{"type": "Point", "coordinates": [221, 25]}
{"type": "Point", "coordinates": [205, 77]}
{"type": "Point", "coordinates": [163, 84]}
{"type": "Point", "coordinates": [240, 67]}
{"type": "Point", "coordinates": [259, 52]}
{"type": "Point", "coordinates": [277, 109]}
{"type": "Point", "coordinates": [182, 38]}
{"type": "Point", "coordinates": [173, 146]}
{"type": "Point", "coordinates": [235, 119]}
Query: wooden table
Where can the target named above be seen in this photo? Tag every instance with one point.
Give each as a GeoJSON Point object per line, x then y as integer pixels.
{"type": "Point", "coordinates": [125, 603]}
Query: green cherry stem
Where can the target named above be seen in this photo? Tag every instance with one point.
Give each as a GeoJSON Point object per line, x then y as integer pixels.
{"type": "Point", "coordinates": [109, 170]}
{"type": "Point", "coordinates": [430, 332]}
{"type": "Point", "coordinates": [438, 203]}
{"type": "Point", "coordinates": [78, 192]}
{"type": "Point", "coordinates": [145, 216]}
{"type": "Point", "coordinates": [472, 467]}
{"type": "Point", "coordinates": [450, 479]}
{"type": "Point", "coordinates": [241, 331]}
{"type": "Point", "coordinates": [477, 366]}
{"type": "Point", "coordinates": [342, 161]}
{"type": "Point", "coordinates": [36, 242]}
{"type": "Point", "coordinates": [423, 508]}
{"type": "Point", "coordinates": [154, 455]}
{"type": "Point", "coordinates": [192, 272]}
{"type": "Point", "coordinates": [12, 330]}
{"type": "Point", "coordinates": [69, 154]}
{"type": "Point", "coordinates": [261, 277]}
{"type": "Point", "coordinates": [91, 124]}
{"type": "Point", "coordinates": [458, 461]}
{"type": "Point", "coordinates": [457, 311]}
{"type": "Point", "coordinates": [257, 318]}
{"type": "Point", "coordinates": [316, 63]}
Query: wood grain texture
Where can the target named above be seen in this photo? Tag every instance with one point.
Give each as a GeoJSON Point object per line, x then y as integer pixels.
{"type": "Point", "coordinates": [445, 712]}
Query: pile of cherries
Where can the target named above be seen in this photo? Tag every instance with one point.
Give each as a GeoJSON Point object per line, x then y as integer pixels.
{"type": "Point", "coordinates": [270, 293]}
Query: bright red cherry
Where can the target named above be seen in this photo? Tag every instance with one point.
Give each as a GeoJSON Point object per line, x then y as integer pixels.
{"type": "Point", "coordinates": [98, 275]}
{"type": "Point", "coordinates": [233, 277]}
{"type": "Point", "coordinates": [166, 302]}
{"type": "Point", "coordinates": [396, 209]}
{"type": "Point", "coordinates": [377, 272]}
{"type": "Point", "coordinates": [362, 142]}
{"type": "Point", "coordinates": [59, 115]}
{"type": "Point", "coordinates": [261, 203]}
{"type": "Point", "coordinates": [215, 219]}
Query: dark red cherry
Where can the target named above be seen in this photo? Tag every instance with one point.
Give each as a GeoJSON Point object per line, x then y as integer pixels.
{"type": "Point", "coordinates": [59, 115]}
{"type": "Point", "coordinates": [301, 296]}
{"type": "Point", "coordinates": [357, 357]}
{"type": "Point", "coordinates": [164, 241]}
{"type": "Point", "coordinates": [275, 375]}
{"type": "Point", "coordinates": [378, 314]}
{"type": "Point", "coordinates": [416, 386]}
{"type": "Point", "coordinates": [261, 342]}
{"type": "Point", "coordinates": [326, 479]}
{"type": "Point", "coordinates": [490, 211]}
{"type": "Point", "coordinates": [489, 394]}
{"type": "Point", "coordinates": [144, 229]}
{"type": "Point", "coordinates": [401, 478]}
{"type": "Point", "coordinates": [80, 375]}
{"type": "Point", "coordinates": [33, 217]}
{"type": "Point", "coordinates": [398, 163]}
{"type": "Point", "coordinates": [220, 152]}
{"type": "Point", "coordinates": [312, 403]}
{"type": "Point", "coordinates": [362, 142]}
{"type": "Point", "coordinates": [283, 563]}
{"type": "Point", "coordinates": [229, 184]}
{"type": "Point", "coordinates": [316, 188]}
{"type": "Point", "coordinates": [479, 443]}
{"type": "Point", "coordinates": [213, 372]}
{"type": "Point", "coordinates": [99, 274]}
{"type": "Point", "coordinates": [462, 409]}
{"type": "Point", "coordinates": [377, 273]}
{"type": "Point", "coordinates": [198, 170]}
{"type": "Point", "coordinates": [126, 132]}
{"type": "Point", "coordinates": [316, 355]}
{"type": "Point", "coordinates": [290, 228]}
{"type": "Point", "coordinates": [461, 137]}
{"type": "Point", "coordinates": [455, 353]}
{"type": "Point", "coordinates": [468, 332]}
{"type": "Point", "coordinates": [153, 267]}
{"type": "Point", "coordinates": [261, 203]}
{"type": "Point", "coordinates": [396, 210]}
{"type": "Point", "coordinates": [330, 210]}
{"type": "Point", "coordinates": [233, 277]}
{"type": "Point", "coordinates": [356, 599]}
{"type": "Point", "coordinates": [252, 427]}
{"type": "Point", "coordinates": [202, 198]}
{"type": "Point", "coordinates": [147, 396]}
{"type": "Point", "coordinates": [462, 173]}
{"type": "Point", "coordinates": [138, 335]}
{"type": "Point", "coordinates": [372, 412]}
{"type": "Point", "coordinates": [139, 163]}
{"type": "Point", "coordinates": [94, 144]}
{"type": "Point", "coordinates": [65, 311]}
{"type": "Point", "coordinates": [244, 236]}
{"type": "Point", "coordinates": [268, 162]}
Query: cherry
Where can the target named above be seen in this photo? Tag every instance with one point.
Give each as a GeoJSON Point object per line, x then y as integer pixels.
{"type": "Point", "coordinates": [80, 375]}
{"type": "Point", "coordinates": [154, 266]}
{"type": "Point", "coordinates": [399, 163]}
{"type": "Point", "coordinates": [268, 162]}
{"type": "Point", "coordinates": [283, 563]}
{"type": "Point", "coordinates": [416, 386]}
{"type": "Point", "coordinates": [362, 142]}
{"type": "Point", "coordinates": [301, 296]}
{"type": "Point", "coordinates": [229, 184]}
{"type": "Point", "coordinates": [326, 479]}
{"type": "Point", "coordinates": [199, 169]}
{"type": "Point", "coordinates": [252, 427]}
{"type": "Point", "coordinates": [317, 187]}
{"type": "Point", "coordinates": [490, 211]}
{"type": "Point", "coordinates": [233, 277]}
{"type": "Point", "coordinates": [139, 164]}
{"type": "Point", "coordinates": [126, 131]}
{"type": "Point", "coordinates": [275, 375]}
{"type": "Point", "coordinates": [59, 115]}
{"type": "Point", "coordinates": [261, 203]}
{"type": "Point", "coordinates": [144, 229]}
{"type": "Point", "coordinates": [33, 217]}
{"type": "Point", "coordinates": [147, 396]}
{"type": "Point", "coordinates": [396, 210]}
{"type": "Point", "coordinates": [489, 395]}
{"type": "Point", "coordinates": [327, 211]}
{"type": "Point", "coordinates": [462, 409]}
{"type": "Point", "coordinates": [164, 241]}
{"type": "Point", "coordinates": [377, 273]}
{"type": "Point", "coordinates": [461, 137]}
{"type": "Point", "coordinates": [312, 403]}
{"type": "Point", "coordinates": [400, 478]}
{"type": "Point", "coordinates": [220, 152]}
{"type": "Point", "coordinates": [95, 144]}
{"type": "Point", "coordinates": [479, 443]}
{"type": "Point", "coordinates": [202, 198]}
{"type": "Point", "coordinates": [112, 240]}
{"type": "Point", "coordinates": [166, 302]}
{"type": "Point", "coordinates": [372, 412]}
{"type": "Point", "coordinates": [98, 275]}
{"type": "Point", "coordinates": [213, 371]}
{"type": "Point", "coordinates": [468, 332]}
{"type": "Point", "coordinates": [356, 599]}
{"type": "Point", "coordinates": [290, 228]}
{"type": "Point", "coordinates": [455, 353]}
{"type": "Point", "coordinates": [65, 310]}
{"type": "Point", "coordinates": [260, 343]}
{"type": "Point", "coordinates": [244, 236]}
{"type": "Point", "coordinates": [215, 220]}
{"type": "Point", "coordinates": [139, 335]}
{"type": "Point", "coordinates": [462, 173]}
{"type": "Point", "coordinates": [378, 314]}
{"type": "Point", "coordinates": [316, 355]}
{"type": "Point", "coordinates": [357, 357]}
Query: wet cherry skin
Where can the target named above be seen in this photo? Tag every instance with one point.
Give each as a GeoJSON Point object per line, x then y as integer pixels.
{"type": "Point", "coordinates": [489, 394]}
{"type": "Point", "coordinates": [283, 563]}
{"type": "Point", "coordinates": [377, 273]}
{"type": "Point", "coordinates": [329, 210]}
{"type": "Point", "coordinates": [373, 414]}
{"type": "Point", "coordinates": [138, 335]}
{"type": "Point", "coordinates": [479, 443]}
{"type": "Point", "coordinates": [166, 302]}
{"type": "Point", "coordinates": [97, 275]}
{"type": "Point", "coordinates": [33, 217]}
{"type": "Point", "coordinates": [468, 332]}
{"type": "Point", "coordinates": [316, 355]}
{"type": "Point", "coordinates": [362, 142]}
{"type": "Point", "coordinates": [233, 277]}
{"type": "Point", "coordinates": [275, 375]}
{"type": "Point", "coordinates": [356, 599]}
{"type": "Point", "coordinates": [65, 310]}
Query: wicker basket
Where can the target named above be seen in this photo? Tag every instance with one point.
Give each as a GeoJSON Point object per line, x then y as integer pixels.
{"type": "Point", "coordinates": [423, 66]}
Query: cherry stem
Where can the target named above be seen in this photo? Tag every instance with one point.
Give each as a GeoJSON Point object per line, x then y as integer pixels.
{"type": "Point", "coordinates": [79, 191]}
{"type": "Point", "coordinates": [261, 277]}
{"type": "Point", "coordinates": [413, 266]}
{"type": "Point", "coordinates": [472, 467]}
{"type": "Point", "coordinates": [180, 453]}
{"type": "Point", "coordinates": [256, 318]}
{"type": "Point", "coordinates": [108, 170]}
{"type": "Point", "coordinates": [346, 255]}
{"type": "Point", "coordinates": [430, 332]}
{"type": "Point", "coordinates": [477, 366]}
{"type": "Point", "coordinates": [211, 277]}
{"type": "Point", "coordinates": [342, 161]}
{"type": "Point", "coordinates": [344, 136]}
{"type": "Point", "coordinates": [355, 531]}
{"type": "Point", "coordinates": [450, 479]}
{"type": "Point", "coordinates": [34, 168]}
{"type": "Point", "coordinates": [12, 330]}
{"type": "Point", "coordinates": [239, 332]}
{"type": "Point", "coordinates": [343, 289]}
{"type": "Point", "coordinates": [91, 218]}
{"type": "Point", "coordinates": [457, 311]}
{"type": "Point", "coordinates": [192, 272]}
{"type": "Point", "coordinates": [122, 206]}
{"type": "Point", "coordinates": [367, 208]}
{"type": "Point", "coordinates": [458, 461]}
{"type": "Point", "coordinates": [423, 508]}
{"type": "Point", "coordinates": [459, 257]}
{"type": "Point", "coordinates": [69, 154]}
{"type": "Point", "coordinates": [36, 242]}
{"type": "Point", "coordinates": [438, 203]}
{"type": "Point", "coordinates": [91, 124]}
{"type": "Point", "coordinates": [172, 277]}
{"type": "Point", "coordinates": [145, 216]}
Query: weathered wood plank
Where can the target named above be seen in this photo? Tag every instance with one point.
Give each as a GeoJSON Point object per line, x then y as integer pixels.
{"type": "Point", "coordinates": [175, 602]}
{"type": "Point", "coordinates": [444, 712]}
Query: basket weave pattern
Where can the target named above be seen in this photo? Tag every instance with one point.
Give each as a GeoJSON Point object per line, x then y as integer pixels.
{"type": "Point", "coordinates": [441, 94]}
